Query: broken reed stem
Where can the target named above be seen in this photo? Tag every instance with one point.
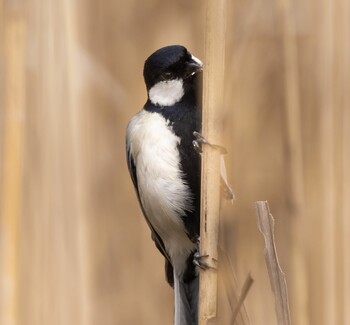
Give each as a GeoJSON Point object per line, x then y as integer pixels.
{"type": "Point", "coordinates": [277, 278]}
{"type": "Point", "coordinates": [213, 85]}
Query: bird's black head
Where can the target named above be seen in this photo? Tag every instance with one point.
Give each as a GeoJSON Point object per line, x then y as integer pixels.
{"type": "Point", "coordinates": [168, 63]}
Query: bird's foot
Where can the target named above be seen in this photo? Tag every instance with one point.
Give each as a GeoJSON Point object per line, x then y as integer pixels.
{"type": "Point", "coordinates": [204, 262]}
{"type": "Point", "coordinates": [200, 140]}
{"type": "Point", "coordinates": [201, 261]}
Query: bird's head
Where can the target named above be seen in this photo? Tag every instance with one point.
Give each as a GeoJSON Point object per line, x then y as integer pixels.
{"type": "Point", "coordinates": [168, 73]}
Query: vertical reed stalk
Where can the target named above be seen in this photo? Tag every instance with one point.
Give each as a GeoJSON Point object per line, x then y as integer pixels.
{"type": "Point", "coordinates": [213, 86]}
{"type": "Point", "coordinates": [295, 159]}
{"type": "Point", "coordinates": [14, 111]}
{"type": "Point", "coordinates": [79, 166]}
{"type": "Point", "coordinates": [345, 220]}
{"type": "Point", "coordinates": [327, 136]}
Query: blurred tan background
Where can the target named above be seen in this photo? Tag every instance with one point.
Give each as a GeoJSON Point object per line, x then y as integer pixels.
{"type": "Point", "coordinates": [74, 248]}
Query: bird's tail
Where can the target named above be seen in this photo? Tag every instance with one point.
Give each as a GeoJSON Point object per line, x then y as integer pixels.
{"type": "Point", "coordinates": [186, 301]}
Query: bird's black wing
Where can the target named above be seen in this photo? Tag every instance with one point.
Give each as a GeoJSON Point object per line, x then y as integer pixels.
{"type": "Point", "coordinates": [156, 238]}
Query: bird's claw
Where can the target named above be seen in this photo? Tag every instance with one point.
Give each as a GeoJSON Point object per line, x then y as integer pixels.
{"type": "Point", "coordinates": [200, 261]}
{"type": "Point", "coordinates": [197, 147]}
{"type": "Point", "coordinates": [200, 140]}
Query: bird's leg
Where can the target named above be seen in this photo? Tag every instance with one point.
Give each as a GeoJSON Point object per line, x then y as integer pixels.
{"type": "Point", "coordinates": [201, 260]}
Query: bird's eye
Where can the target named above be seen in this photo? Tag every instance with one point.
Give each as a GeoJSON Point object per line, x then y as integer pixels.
{"type": "Point", "coordinates": [168, 75]}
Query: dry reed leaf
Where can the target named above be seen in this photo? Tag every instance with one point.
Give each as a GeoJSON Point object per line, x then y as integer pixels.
{"type": "Point", "coordinates": [240, 309]}
{"type": "Point", "coordinates": [278, 282]}
{"type": "Point", "coordinates": [236, 301]}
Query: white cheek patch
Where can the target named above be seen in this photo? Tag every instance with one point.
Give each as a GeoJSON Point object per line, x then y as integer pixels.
{"type": "Point", "coordinates": [166, 93]}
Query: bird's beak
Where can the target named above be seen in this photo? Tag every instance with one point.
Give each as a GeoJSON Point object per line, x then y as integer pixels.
{"type": "Point", "coordinates": [193, 66]}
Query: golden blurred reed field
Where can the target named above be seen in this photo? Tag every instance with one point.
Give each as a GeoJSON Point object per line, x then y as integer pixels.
{"type": "Point", "coordinates": [74, 248]}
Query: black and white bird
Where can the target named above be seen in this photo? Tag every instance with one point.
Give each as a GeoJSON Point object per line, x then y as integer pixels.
{"type": "Point", "coordinates": [165, 168]}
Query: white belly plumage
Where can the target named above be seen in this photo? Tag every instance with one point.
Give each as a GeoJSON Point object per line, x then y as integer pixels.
{"type": "Point", "coordinates": [163, 193]}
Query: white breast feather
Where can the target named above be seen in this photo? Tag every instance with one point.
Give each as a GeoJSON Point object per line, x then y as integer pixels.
{"type": "Point", "coordinates": [163, 193]}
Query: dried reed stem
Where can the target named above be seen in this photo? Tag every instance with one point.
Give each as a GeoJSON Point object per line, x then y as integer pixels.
{"type": "Point", "coordinates": [328, 243]}
{"type": "Point", "coordinates": [277, 278]}
{"type": "Point", "coordinates": [345, 224]}
{"type": "Point", "coordinates": [295, 159]}
{"type": "Point", "coordinates": [14, 110]}
{"type": "Point", "coordinates": [213, 86]}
